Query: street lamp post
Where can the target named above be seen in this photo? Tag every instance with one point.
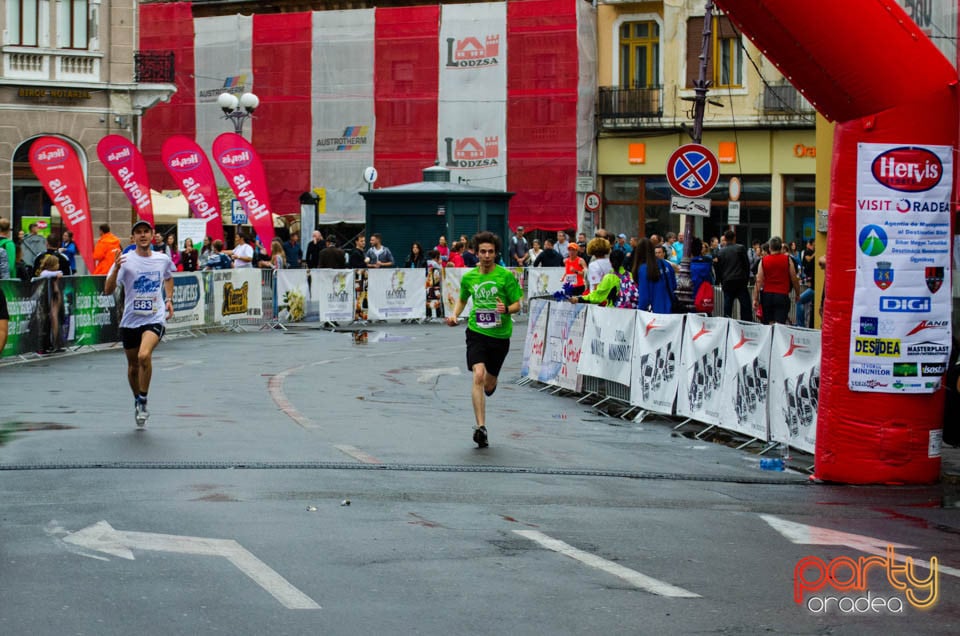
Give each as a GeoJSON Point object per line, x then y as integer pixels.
{"type": "Point", "coordinates": [238, 110]}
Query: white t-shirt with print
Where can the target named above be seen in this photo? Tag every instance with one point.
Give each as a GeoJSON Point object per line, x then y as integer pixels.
{"type": "Point", "coordinates": [141, 278]}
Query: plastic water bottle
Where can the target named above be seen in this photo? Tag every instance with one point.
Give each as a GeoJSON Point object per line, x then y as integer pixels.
{"type": "Point", "coordinates": [771, 463]}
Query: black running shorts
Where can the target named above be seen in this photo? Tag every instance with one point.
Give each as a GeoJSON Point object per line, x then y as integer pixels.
{"type": "Point", "coordinates": [131, 336]}
{"type": "Point", "coordinates": [491, 352]}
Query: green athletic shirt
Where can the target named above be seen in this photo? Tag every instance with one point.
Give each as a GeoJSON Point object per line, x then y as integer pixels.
{"type": "Point", "coordinates": [485, 289]}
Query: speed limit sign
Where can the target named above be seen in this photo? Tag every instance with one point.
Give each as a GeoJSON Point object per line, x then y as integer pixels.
{"type": "Point", "coordinates": [592, 202]}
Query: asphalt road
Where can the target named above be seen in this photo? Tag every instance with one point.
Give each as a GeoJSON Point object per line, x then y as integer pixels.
{"type": "Point", "coordinates": [228, 514]}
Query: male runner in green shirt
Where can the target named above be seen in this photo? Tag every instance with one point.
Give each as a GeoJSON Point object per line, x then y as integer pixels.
{"type": "Point", "coordinates": [496, 295]}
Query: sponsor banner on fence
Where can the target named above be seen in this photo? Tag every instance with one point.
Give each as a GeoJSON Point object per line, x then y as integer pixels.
{"type": "Point", "coordinates": [608, 344]}
{"type": "Point", "coordinates": [746, 379]}
{"type": "Point", "coordinates": [701, 368]}
{"type": "Point", "coordinates": [544, 281]}
{"type": "Point", "coordinates": [533, 344]}
{"type": "Point", "coordinates": [294, 301]}
{"type": "Point", "coordinates": [236, 294]}
{"type": "Point", "coordinates": [92, 316]}
{"type": "Point", "coordinates": [189, 300]}
{"type": "Point", "coordinates": [451, 289]}
{"type": "Point", "coordinates": [334, 291]}
{"type": "Point", "coordinates": [396, 293]}
{"type": "Point", "coordinates": [900, 323]}
{"type": "Point", "coordinates": [22, 299]}
{"type": "Point", "coordinates": [794, 386]}
{"type": "Point", "coordinates": [655, 371]}
{"type": "Point", "coordinates": [564, 342]}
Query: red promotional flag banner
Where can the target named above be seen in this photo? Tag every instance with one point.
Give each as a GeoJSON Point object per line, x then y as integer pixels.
{"type": "Point", "coordinates": [243, 169]}
{"type": "Point", "coordinates": [127, 166]}
{"type": "Point", "coordinates": [57, 166]}
{"type": "Point", "coordinates": [191, 169]}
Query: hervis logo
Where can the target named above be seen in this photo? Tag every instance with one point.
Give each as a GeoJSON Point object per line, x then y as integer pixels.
{"type": "Point", "coordinates": [468, 153]}
{"type": "Point", "coordinates": [184, 161]}
{"type": "Point", "coordinates": [235, 158]}
{"type": "Point", "coordinates": [470, 53]}
{"type": "Point", "coordinates": [908, 169]}
{"type": "Point", "coordinates": [118, 155]}
{"type": "Point", "coordinates": [52, 154]}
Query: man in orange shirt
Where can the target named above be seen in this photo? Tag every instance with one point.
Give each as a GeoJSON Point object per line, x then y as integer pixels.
{"type": "Point", "coordinates": [105, 251]}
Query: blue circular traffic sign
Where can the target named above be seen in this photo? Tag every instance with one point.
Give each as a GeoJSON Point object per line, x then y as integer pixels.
{"type": "Point", "coordinates": [692, 170]}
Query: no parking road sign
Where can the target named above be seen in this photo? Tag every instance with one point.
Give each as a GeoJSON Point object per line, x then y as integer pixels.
{"type": "Point", "coordinates": [692, 170]}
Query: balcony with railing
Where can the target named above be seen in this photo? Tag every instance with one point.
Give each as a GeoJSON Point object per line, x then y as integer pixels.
{"type": "Point", "coordinates": [783, 102]}
{"type": "Point", "coordinates": [629, 107]}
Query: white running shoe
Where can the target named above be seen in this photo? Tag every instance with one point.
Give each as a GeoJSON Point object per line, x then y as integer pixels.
{"type": "Point", "coordinates": [141, 414]}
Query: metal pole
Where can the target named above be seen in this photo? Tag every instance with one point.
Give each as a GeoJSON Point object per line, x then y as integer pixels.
{"type": "Point", "coordinates": [685, 291]}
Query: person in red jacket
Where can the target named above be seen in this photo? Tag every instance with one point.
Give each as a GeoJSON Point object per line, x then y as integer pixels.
{"type": "Point", "coordinates": [776, 278]}
{"type": "Point", "coordinates": [105, 251]}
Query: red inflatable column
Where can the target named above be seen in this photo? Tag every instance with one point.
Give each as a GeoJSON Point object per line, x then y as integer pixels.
{"type": "Point", "coordinates": [872, 437]}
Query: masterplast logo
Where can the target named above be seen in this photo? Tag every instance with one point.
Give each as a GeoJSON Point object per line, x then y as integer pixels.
{"type": "Point", "coordinates": [853, 579]}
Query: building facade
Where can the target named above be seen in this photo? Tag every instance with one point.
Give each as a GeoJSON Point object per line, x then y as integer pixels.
{"type": "Point", "coordinates": [758, 125]}
{"type": "Point", "coordinates": [71, 70]}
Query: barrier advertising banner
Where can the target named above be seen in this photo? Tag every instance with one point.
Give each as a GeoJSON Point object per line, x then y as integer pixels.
{"type": "Point", "coordinates": [701, 368]}
{"type": "Point", "coordinates": [544, 281]}
{"type": "Point", "coordinates": [236, 294]}
{"type": "Point", "coordinates": [92, 317]}
{"type": "Point", "coordinates": [22, 299]}
{"type": "Point", "coordinates": [451, 289]}
{"type": "Point", "coordinates": [294, 301]}
{"type": "Point", "coordinates": [396, 294]}
{"type": "Point", "coordinates": [191, 169]}
{"type": "Point", "coordinates": [794, 386]}
{"type": "Point", "coordinates": [334, 291]}
{"type": "Point", "coordinates": [900, 324]}
{"type": "Point", "coordinates": [56, 165]}
{"type": "Point", "coordinates": [608, 344]}
{"type": "Point", "coordinates": [241, 165]}
{"type": "Point", "coordinates": [656, 348]}
{"type": "Point", "coordinates": [564, 341]}
{"type": "Point", "coordinates": [746, 379]}
{"type": "Point", "coordinates": [125, 163]}
{"type": "Point", "coordinates": [533, 344]}
{"type": "Point", "coordinates": [189, 300]}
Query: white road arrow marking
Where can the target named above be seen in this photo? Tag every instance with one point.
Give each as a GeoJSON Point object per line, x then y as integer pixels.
{"type": "Point", "coordinates": [632, 577]}
{"type": "Point", "coordinates": [102, 537]}
{"type": "Point", "coordinates": [803, 534]}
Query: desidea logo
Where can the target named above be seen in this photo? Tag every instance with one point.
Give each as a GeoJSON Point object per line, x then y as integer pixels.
{"type": "Point", "coordinates": [852, 578]}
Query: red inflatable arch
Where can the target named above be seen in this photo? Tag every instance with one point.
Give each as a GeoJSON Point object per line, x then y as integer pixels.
{"type": "Point", "coordinates": [868, 67]}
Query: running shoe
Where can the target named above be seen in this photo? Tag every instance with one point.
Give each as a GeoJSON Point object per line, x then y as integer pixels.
{"type": "Point", "coordinates": [141, 413]}
{"type": "Point", "coordinates": [480, 436]}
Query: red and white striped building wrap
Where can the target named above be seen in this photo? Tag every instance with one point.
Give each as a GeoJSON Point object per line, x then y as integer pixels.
{"type": "Point", "coordinates": [501, 93]}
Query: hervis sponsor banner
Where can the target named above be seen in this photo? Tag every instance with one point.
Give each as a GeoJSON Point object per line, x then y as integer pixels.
{"type": "Point", "coordinates": [127, 166]}
{"type": "Point", "coordinates": [794, 386]}
{"type": "Point", "coordinates": [700, 393]}
{"type": "Point", "coordinates": [334, 292]}
{"type": "Point", "coordinates": [236, 294]}
{"type": "Point", "coordinates": [294, 300]}
{"type": "Point", "coordinates": [608, 341]}
{"type": "Point", "coordinates": [190, 168]}
{"type": "Point", "coordinates": [189, 300]}
{"type": "Point", "coordinates": [22, 300]}
{"type": "Point", "coordinates": [564, 341]}
{"type": "Point", "coordinates": [241, 166]}
{"type": "Point", "coordinates": [746, 382]}
{"type": "Point", "coordinates": [451, 290]}
{"type": "Point", "coordinates": [535, 341]}
{"type": "Point", "coordinates": [396, 294]}
{"type": "Point", "coordinates": [57, 167]}
{"type": "Point", "coordinates": [903, 264]}
{"type": "Point", "coordinates": [656, 364]}
{"type": "Point", "coordinates": [544, 281]}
